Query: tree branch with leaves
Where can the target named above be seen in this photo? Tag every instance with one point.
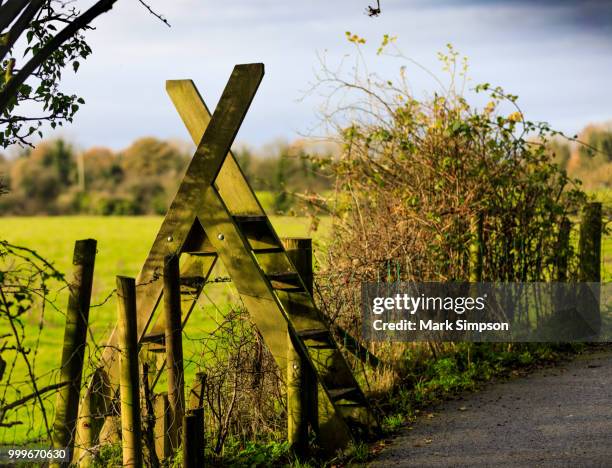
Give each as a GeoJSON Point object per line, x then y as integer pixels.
{"type": "Point", "coordinates": [38, 40]}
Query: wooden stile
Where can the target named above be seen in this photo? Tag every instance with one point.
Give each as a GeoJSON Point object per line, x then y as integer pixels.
{"type": "Point", "coordinates": [215, 215]}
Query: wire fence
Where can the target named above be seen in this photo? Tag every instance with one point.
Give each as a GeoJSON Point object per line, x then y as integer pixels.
{"type": "Point", "coordinates": [243, 395]}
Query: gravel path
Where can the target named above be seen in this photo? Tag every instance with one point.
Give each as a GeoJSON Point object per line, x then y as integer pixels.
{"type": "Point", "coordinates": [560, 416]}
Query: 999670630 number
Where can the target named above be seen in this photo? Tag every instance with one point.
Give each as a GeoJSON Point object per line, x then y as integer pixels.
{"type": "Point", "coordinates": [33, 454]}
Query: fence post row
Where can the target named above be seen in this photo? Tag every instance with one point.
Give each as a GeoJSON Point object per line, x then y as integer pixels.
{"type": "Point", "coordinates": [302, 404]}
{"type": "Point", "coordinates": [75, 338]}
{"type": "Point", "coordinates": [131, 440]}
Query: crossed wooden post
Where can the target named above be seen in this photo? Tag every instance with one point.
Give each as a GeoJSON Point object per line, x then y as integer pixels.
{"type": "Point", "coordinates": [216, 215]}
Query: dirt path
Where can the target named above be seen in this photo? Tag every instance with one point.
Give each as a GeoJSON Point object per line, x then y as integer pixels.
{"type": "Point", "coordinates": [560, 416]}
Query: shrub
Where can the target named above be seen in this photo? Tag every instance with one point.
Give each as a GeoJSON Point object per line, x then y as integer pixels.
{"type": "Point", "coordinates": [418, 178]}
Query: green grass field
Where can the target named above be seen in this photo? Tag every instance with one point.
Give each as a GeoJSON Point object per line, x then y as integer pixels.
{"type": "Point", "coordinates": [123, 244]}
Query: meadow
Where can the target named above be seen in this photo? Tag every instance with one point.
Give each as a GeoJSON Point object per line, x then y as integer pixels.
{"type": "Point", "coordinates": [123, 244]}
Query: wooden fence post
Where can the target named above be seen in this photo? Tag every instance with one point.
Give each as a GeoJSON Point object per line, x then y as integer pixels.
{"type": "Point", "coordinates": [162, 424]}
{"type": "Point", "coordinates": [148, 417]}
{"type": "Point", "coordinates": [589, 246]}
{"type": "Point", "coordinates": [197, 393]}
{"type": "Point", "coordinates": [174, 347]}
{"type": "Point", "coordinates": [302, 401]}
{"type": "Point", "coordinates": [476, 249]}
{"type": "Point", "coordinates": [81, 456]}
{"type": "Point", "coordinates": [563, 246]}
{"type": "Point", "coordinates": [131, 439]}
{"type": "Point", "coordinates": [75, 338]}
{"type": "Point", "coordinates": [589, 251]}
{"type": "Point", "coordinates": [95, 404]}
{"type": "Point", "coordinates": [193, 439]}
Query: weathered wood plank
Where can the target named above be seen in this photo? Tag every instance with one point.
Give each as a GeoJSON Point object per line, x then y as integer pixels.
{"type": "Point", "coordinates": [563, 249]}
{"type": "Point", "coordinates": [203, 169]}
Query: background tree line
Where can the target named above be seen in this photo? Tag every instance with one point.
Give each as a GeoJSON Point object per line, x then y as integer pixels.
{"type": "Point", "coordinates": [591, 162]}
{"type": "Point", "coordinates": [55, 178]}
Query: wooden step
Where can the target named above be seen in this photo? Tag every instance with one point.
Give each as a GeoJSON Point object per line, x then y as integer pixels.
{"type": "Point", "coordinates": [349, 405]}
{"type": "Point", "coordinates": [350, 393]}
{"type": "Point", "coordinates": [317, 339]}
{"type": "Point", "coordinates": [288, 282]}
{"type": "Point", "coordinates": [267, 250]}
{"type": "Point", "coordinates": [284, 276]}
{"type": "Point", "coordinates": [317, 334]}
{"type": "Point", "coordinates": [154, 337]}
{"type": "Point", "coordinates": [258, 232]}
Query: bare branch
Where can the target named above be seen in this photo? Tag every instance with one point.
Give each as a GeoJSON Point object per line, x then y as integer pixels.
{"type": "Point", "coordinates": [31, 396]}
{"type": "Point", "coordinates": [154, 13]}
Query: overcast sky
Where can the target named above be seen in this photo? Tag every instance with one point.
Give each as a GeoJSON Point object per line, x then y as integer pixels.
{"type": "Point", "coordinates": [557, 56]}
